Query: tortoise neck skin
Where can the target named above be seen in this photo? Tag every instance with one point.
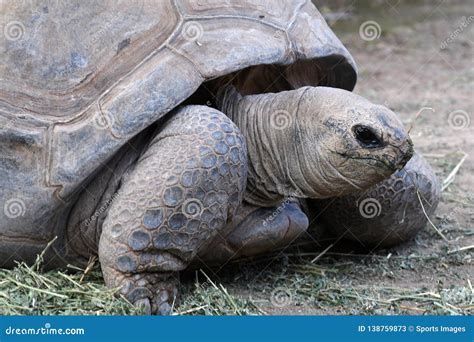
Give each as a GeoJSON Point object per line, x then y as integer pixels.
{"type": "Point", "coordinates": [301, 143]}
{"type": "Point", "coordinates": [270, 125]}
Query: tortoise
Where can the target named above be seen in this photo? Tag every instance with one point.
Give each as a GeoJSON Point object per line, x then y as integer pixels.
{"type": "Point", "coordinates": [160, 134]}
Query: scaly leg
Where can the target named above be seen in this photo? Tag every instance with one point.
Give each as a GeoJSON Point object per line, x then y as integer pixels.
{"type": "Point", "coordinates": [387, 214]}
{"type": "Point", "coordinates": [184, 188]}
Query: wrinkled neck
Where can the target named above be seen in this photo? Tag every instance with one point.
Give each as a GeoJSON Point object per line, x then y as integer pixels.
{"type": "Point", "coordinates": [279, 164]}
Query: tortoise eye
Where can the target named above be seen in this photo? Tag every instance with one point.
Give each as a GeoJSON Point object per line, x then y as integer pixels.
{"type": "Point", "coordinates": [366, 136]}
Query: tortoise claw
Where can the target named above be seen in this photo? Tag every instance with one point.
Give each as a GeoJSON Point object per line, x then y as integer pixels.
{"type": "Point", "coordinates": [159, 304]}
{"type": "Point", "coordinates": [144, 305]}
{"type": "Point", "coordinates": [162, 303]}
{"type": "Point", "coordinates": [153, 293]}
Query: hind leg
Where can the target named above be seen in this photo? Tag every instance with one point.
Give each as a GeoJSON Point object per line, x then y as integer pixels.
{"type": "Point", "coordinates": [182, 191]}
{"type": "Point", "coordinates": [254, 231]}
{"type": "Point", "coordinates": [386, 214]}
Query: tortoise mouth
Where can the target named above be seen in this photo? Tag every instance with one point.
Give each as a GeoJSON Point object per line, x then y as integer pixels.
{"type": "Point", "coordinates": [387, 164]}
{"type": "Point", "coordinates": [384, 161]}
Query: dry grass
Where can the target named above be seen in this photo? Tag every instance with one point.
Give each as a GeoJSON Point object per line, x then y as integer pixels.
{"type": "Point", "coordinates": [25, 290]}
{"type": "Point", "coordinates": [338, 283]}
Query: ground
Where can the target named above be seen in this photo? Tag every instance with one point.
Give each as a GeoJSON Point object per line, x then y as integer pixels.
{"type": "Point", "coordinates": [419, 64]}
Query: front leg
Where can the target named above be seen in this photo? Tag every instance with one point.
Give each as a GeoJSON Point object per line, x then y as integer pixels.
{"type": "Point", "coordinates": [182, 191]}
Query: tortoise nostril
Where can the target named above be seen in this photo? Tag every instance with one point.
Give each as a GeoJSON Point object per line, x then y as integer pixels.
{"type": "Point", "coordinates": [367, 136]}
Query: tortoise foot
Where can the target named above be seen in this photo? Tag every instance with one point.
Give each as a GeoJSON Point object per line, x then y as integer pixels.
{"type": "Point", "coordinates": [154, 293]}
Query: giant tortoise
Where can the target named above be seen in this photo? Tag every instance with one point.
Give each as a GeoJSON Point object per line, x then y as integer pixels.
{"type": "Point", "coordinates": [158, 134]}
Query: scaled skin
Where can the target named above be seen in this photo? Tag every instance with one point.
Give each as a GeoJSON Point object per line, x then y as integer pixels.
{"type": "Point", "coordinates": [301, 143]}
{"type": "Point", "coordinates": [188, 184]}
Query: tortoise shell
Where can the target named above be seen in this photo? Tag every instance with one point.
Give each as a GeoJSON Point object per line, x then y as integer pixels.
{"type": "Point", "coordinates": [80, 78]}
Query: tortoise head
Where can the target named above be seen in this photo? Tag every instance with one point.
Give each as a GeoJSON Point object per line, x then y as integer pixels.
{"type": "Point", "coordinates": [316, 142]}
{"type": "Point", "coordinates": [358, 143]}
